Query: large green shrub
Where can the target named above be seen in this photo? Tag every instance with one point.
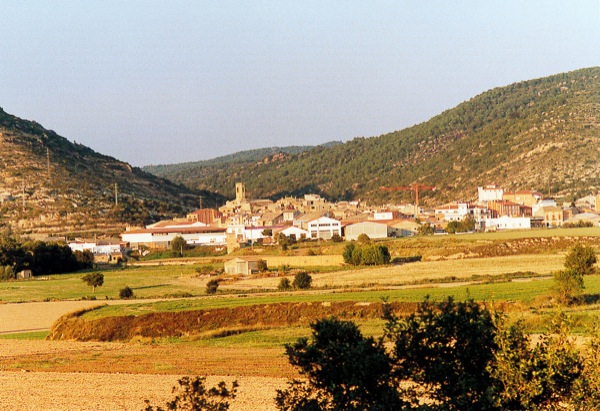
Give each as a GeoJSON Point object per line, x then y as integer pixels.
{"type": "Point", "coordinates": [446, 356]}
{"type": "Point", "coordinates": [367, 254]}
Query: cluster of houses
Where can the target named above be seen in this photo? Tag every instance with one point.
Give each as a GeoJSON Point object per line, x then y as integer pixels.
{"type": "Point", "coordinates": [244, 221]}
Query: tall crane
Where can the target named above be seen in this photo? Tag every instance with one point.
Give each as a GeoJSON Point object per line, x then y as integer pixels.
{"type": "Point", "coordinates": [413, 187]}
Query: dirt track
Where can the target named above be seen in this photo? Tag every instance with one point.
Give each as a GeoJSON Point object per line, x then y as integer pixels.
{"type": "Point", "coordinates": [37, 316]}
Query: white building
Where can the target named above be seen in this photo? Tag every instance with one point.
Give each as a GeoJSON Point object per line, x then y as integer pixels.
{"type": "Point", "coordinates": [295, 231]}
{"type": "Point", "coordinates": [324, 228]}
{"type": "Point", "coordinates": [250, 234]}
{"type": "Point", "coordinates": [507, 223]}
{"type": "Point", "coordinates": [162, 237]}
{"type": "Point", "coordinates": [490, 193]}
{"type": "Point", "coordinates": [372, 229]}
{"type": "Point", "coordinates": [96, 247]}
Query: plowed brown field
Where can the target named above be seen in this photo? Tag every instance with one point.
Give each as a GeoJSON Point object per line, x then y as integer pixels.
{"type": "Point", "coordinates": [51, 375]}
{"type": "Point", "coordinates": [68, 375]}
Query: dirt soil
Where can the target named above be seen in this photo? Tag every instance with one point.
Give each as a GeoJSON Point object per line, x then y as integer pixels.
{"type": "Point", "coordinates": [69, 375]}
{"type": "Point", "coordinates": [66, 375]}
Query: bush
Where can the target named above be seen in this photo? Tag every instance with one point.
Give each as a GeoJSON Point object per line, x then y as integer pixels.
{"type": "Point", "coordinates": [194, 396]}
{"type": "Point", "coordinates": [262, 265]}
{"type": "Point", "coordinates": [211, 287]}
{"type": "Point", "coordinates": [363, 239]}
{"type": "Point", "coordinates": [368, 254]}
{"type": "Point", "coordinates": [302, 280]}
{"type": "Point", "coordinates": [336, 238]}
{"type": "Point", "coordinates": [284, 285]}
{"type": "Point", "coordinates": [126, 293]}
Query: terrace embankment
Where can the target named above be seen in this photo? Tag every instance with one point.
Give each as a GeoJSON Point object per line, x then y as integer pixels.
{"type": "Point", "coordinates": [213, 322]}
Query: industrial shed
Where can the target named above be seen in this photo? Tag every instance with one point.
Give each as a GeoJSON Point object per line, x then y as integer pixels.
{"type": "Point", "coordinates": [372, 229]}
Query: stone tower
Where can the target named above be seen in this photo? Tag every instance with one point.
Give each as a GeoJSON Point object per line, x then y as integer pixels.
{"type": "Point", "coordinates": [240, 193]}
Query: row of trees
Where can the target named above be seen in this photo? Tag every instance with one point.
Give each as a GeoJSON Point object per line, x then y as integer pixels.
{"type": "Point", "coordinates": [446, 356]}
{"type": "Point", "coordinates": [40, 257]}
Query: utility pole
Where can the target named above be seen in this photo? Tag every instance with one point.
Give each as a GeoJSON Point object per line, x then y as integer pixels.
{"type": "Point", "coordinates": [23, 194]}
{"type": "Point", "coordinates": [116, 194]}
{"type": "Point", "coordinates": [48, 161]}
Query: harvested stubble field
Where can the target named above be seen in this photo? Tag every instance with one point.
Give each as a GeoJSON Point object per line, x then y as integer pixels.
{"type": "Point", "coordinates": [424, 271]}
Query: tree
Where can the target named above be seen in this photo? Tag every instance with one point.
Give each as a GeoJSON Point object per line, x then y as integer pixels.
{"type": "Point", "coordinates": [444, 348]}
{"type": "Point", "coordinates": [581, 259]}
{"type": "Point", "coordinates": [126, 293]}
{"type": "Point", "coordinates": [453, 227]}
{"type": "Point", "coordinates": [211, 287]}
{"type": "Point", "coordinates": [85, 259]}
{"type": "Point", "coordinates": [446, 356]}
{"type": "Point", "coordinates": [262, 265]}
{"type": "Point", "coordinates": [347, 253]}
{"type": "Point", "coordinates": [367, 254]}
{"type": "Point", "coordinates": [93, 280]}
{"type": "Point", "coordinates": [194, 396]}
{"type": "Point", "coordinates": [267, 232]}
{"type": "Point", "coordinates": [543, 376]}
{"type": "Point", "coordinates": [426, 229]}
{"type": "Point", "coordinates": [283, 241]}
{"type": "Point", "coordinates": [302, 280]}
{"type": "Point", "coordinates": [284, 285]}
{"type": "Point", "coordinates": [336, 238]}
{"type": "Point", "coordinates": [568, 283]}
{"type": "Point", "coordinates": [178, 244]}
{"type": "Point", "coordinates": [7, 272]}
{"type": "Point", "coordinates": [344, 371]}
{"type": "Point", "coordinates": [363, 239]}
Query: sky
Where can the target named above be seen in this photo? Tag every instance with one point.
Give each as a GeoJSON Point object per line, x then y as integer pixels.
{"type": "Point", "coordinates": [156, 82]}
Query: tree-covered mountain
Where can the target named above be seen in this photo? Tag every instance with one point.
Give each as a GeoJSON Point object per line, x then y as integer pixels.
{"type": "Point", "coordinates": [540, 134]}
{"type": "Point", "coordinates": [48, 183]}
{"type": "Point", "coordinates": [197, 170]}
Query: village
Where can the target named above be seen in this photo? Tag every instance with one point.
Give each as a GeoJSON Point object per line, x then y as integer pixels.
{"type": "Point", "coordinates": [244, 221]}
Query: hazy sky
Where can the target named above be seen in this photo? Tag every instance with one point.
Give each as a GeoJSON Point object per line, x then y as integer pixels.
{"type": "Point", "coordinates": [155, 82]}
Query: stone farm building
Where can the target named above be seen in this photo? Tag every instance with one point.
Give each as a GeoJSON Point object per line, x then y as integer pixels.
{"type": "Point", "coordinates": [241, 265]}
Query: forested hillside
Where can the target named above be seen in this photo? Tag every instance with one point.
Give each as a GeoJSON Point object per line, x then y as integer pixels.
{"type": "Point", "coordinates": [48, 183]}
{"type": "Point", "coordinates": [540, 134]}
{"type": "Point", "coordinates": [189, 173]}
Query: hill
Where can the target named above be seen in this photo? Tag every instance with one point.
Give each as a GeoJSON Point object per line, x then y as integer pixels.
{"type": "Point", "coordinates": [48, 183]}
{"type": "Point", "coordinates": [539, 134]}
{"type": "Point", "coordinates": [200, 170]}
